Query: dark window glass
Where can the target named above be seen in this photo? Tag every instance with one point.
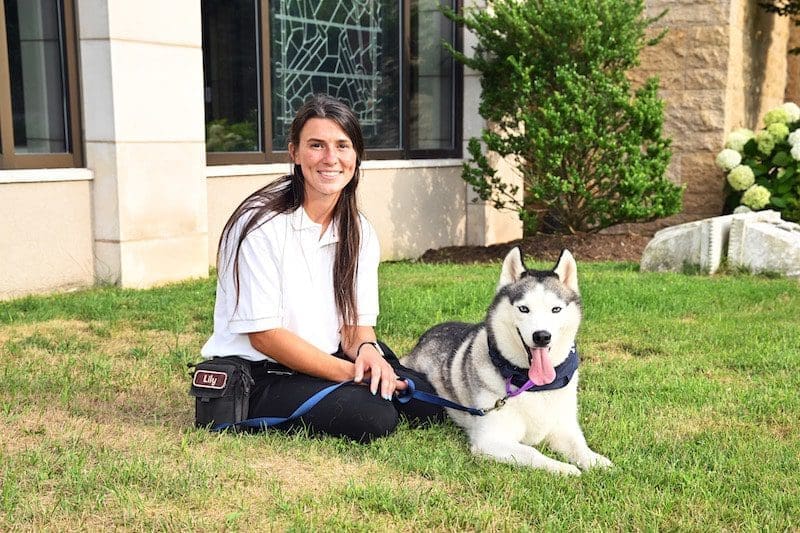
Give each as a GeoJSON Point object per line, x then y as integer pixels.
{"type": "Point", "coordinates": [349, 50]}
{"type": "Point", "coordinates": [231, 62]}
{"type": "Point", "coordinates": [432, 77]}
{"type": "Point", "coordinates": [37, 72]}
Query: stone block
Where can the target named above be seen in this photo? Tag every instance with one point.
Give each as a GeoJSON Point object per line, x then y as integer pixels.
{"type": "Point", "coordinates": [711, 57]}
{"type": "Point", "coordinates": [765, 246]}
{"type": "Point", "coordinates": [715, 35]}
{"type": "Point", "coordinates": [696, 244]}
{"type": "Point", "coordinates": [702, 78]}
{"type": "Point", "coordinates": [701, 244]}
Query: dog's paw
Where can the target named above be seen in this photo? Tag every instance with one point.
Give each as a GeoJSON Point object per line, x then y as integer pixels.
{"type": "Point", "coordinates": [565, 469]}
{"type": "Point", "coordinates": [595, 460]}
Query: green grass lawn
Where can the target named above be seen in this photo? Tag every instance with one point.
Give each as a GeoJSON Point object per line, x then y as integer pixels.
{"type": "Point", "coordinates": [690, 384]}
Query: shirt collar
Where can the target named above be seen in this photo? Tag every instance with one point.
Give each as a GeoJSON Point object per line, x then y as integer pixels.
{"type": "Point", "coordinates": [301, 221]}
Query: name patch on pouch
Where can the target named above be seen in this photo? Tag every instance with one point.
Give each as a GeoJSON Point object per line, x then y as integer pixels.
{"type": "Point", "coordinates": [210, 379]}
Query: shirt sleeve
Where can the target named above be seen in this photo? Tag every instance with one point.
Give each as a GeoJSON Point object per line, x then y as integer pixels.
{"type": "Point", "coordinates": [259, 303]}
{"type": "Point", "coordinates": [367, 281]}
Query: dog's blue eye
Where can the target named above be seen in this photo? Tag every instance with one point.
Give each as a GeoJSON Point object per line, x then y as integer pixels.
{"type": "Point", "coordinates": [556, 310]}
{"type": "Point", "coordinates": [523, 309]}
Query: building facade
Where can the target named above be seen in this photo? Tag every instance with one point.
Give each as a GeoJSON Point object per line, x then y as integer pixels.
{"type": "Point", "coordinates": [130, 130]}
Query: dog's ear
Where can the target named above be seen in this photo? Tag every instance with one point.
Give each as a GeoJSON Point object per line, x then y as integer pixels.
{"type": "Point", "coordinates": [567, 270]}
{"type": "Point", "coordinates": [512, 268]}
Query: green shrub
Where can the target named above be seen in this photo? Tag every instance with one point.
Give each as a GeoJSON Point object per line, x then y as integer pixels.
{"type": "Point", "coordinates": [761, 168]}
{"type": "Point", "coordinates": [590, 150]}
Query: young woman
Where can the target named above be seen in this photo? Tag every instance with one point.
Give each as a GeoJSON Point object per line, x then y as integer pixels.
{"type": "Point", "coordinates": [297, 289]}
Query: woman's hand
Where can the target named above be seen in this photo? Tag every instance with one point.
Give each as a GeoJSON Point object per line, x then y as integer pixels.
{"type": "Point", "coordinates": [369, 361]}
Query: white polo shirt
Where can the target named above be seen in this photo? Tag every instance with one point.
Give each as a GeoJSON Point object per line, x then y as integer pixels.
{"type": "Point", "coordinates": [286, 281]}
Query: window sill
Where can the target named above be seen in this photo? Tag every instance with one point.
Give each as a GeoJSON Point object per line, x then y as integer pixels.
{"type": "Point", "coordinates": [46, 175]}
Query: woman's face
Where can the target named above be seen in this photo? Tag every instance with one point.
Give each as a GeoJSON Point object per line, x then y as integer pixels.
{"type": "Point", "coordinates": [327, 158]}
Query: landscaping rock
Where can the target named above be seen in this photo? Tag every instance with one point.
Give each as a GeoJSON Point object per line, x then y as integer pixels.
{"type": "Point", "coordinates": [765, 246]}
{"type": "Point", "coordinates": [759, 241]}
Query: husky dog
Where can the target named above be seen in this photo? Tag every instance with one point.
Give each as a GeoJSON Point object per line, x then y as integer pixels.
{"type": "Point", "coordinates": [523, 355]}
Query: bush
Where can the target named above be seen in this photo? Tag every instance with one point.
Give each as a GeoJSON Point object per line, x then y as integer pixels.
{"type": "Point", "coordinates": [555, 91]}
{"type": "Point", "coordinates": [222, 136]}
{"type": "Point", "coordinates": [761, 168]}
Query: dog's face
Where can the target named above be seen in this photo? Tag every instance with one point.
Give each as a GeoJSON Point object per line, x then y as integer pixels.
{"type": "Point", "coordinates": [536, 314]}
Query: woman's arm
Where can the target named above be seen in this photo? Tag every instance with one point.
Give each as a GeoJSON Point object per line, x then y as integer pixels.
{"type": "Point", "coordinates": [293, 352]}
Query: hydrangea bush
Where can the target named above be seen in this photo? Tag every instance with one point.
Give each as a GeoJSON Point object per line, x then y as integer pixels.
{"type": "Point", "coordinates": [762, 169]}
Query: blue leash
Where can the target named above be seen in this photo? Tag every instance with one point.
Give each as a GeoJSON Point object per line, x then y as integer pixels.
{"type": "Point", "coordinates": [412, 392]}
{"type": "Point", "coordinates": [406, 396]}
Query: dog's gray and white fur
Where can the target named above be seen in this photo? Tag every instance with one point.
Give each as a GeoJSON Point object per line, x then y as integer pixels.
{"type": "Point", "coordinates": [541, 309]}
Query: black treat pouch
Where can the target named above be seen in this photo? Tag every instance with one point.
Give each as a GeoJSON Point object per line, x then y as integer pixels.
{"type": "Point", "coordinates": [221, 387]}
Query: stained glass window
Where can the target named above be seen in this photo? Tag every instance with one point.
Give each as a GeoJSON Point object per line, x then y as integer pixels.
{"type": "Point", "coordinates": [345, 49]}
{"type": "Point", "coordinates": [383, 57]}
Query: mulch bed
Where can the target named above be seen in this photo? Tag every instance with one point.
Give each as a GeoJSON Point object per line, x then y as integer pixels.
{"type": "Point", "coordinates": [547, 247]}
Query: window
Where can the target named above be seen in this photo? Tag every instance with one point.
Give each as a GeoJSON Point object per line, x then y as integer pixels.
{"type": "Point", "coordinates": [262, 59]}
{"type": "Point", "coordinates": [39, 125]}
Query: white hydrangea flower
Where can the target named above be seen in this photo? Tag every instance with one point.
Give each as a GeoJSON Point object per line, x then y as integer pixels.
{"type": "Point", "coordinates": [794, 137]}
{"type": "Point", "coordinates": [779, 131]}
{"type": "Point", "coordinates": [793, 110]}
{"type": "Point", "coordinates": [728, 159]}
{"type": "Point", "coordinates": [741, 177]}
{"type": "Point", "coordinates": [776, 115]}
{"type": "Point", "coordinates": [738, 138]}
{"type": "Point", "coordinates": [756, 197]}
{"type": "Point", "coordinates": [765, 142]}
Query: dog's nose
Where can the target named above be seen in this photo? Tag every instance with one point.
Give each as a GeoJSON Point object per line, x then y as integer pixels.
{"type": "Point", "coordinates": [541, 338]}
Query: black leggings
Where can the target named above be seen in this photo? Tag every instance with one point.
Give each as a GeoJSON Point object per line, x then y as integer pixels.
{"type": "Point", "coordinates": [350, 411]}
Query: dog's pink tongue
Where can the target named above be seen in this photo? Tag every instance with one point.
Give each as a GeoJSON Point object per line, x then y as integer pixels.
{"type": "Point", "coordinates": [541, 371]}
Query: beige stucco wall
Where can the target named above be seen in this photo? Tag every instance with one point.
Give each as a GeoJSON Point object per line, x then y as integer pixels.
{"type": "Point", "coordinates": [45, 236]}
{"type": "Point", "coordinates": [413, 207]}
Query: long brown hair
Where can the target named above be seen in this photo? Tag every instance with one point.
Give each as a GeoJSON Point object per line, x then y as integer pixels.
{"type": "Point", "coordinates": [287, 193]}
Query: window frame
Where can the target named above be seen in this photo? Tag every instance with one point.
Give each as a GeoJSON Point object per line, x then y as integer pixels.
{"type": "Point", "coordinates": [73, 157]}
{"type": "Point", "coordinates": [269, 154]}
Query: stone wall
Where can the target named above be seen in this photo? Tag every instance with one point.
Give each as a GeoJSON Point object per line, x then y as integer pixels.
{"type": "Point", "coordinates": [793, 67]}
{"type": "Point", "coordinates": [722, 65]}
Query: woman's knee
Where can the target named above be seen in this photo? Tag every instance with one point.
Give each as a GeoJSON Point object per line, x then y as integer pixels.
{"type": "Point", "coordinates": [355, 414]}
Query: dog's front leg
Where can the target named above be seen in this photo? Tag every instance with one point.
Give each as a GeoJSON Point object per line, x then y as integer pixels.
{"type": "Point", "coordinates": [521, 454]}
{"type": "Point", "coordinates": [570, 442]}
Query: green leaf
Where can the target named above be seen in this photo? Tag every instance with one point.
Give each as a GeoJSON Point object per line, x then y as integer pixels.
{"type": "Point", "coordinates": [759, 169]}
{"type": "Point", "coordinates": [781, 159]}
{"type": "Point", "coordinates": [778, 202]}
{"type": "Point", "coordinates": [783, 187]}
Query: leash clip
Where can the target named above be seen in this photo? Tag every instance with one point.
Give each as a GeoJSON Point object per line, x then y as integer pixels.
{"type": "Point", "coordinates": [497, 405]}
